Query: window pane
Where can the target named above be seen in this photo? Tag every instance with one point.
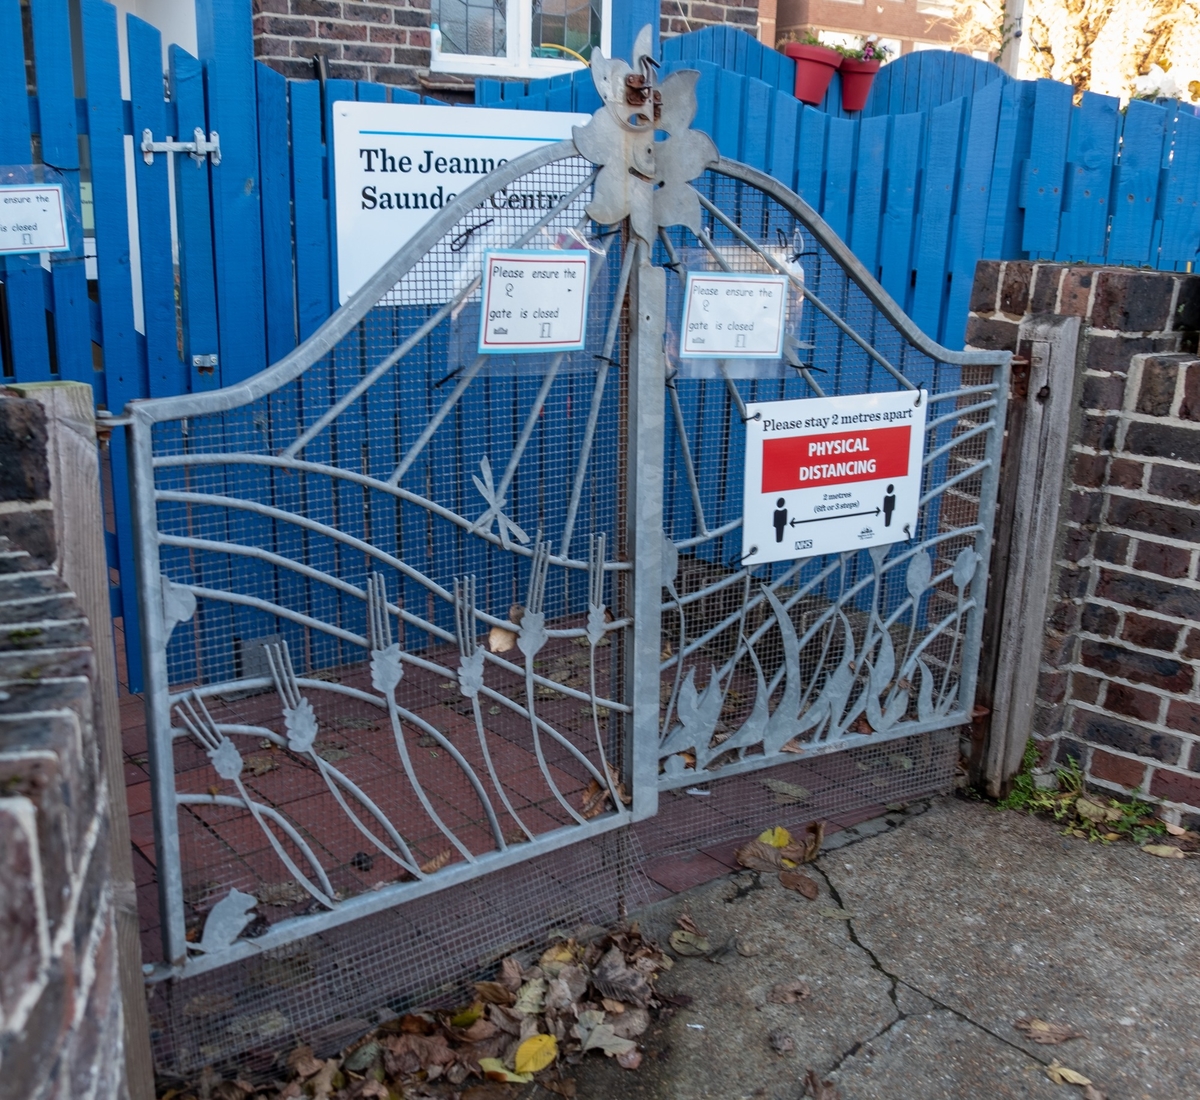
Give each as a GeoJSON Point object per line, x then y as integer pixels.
{"type": "Point", "coordinates": [574, 24]}
{"type": "Point", "coordinates": [471, 26]}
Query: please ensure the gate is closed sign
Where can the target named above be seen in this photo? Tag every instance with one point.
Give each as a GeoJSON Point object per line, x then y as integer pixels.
{"type": "Point", "coordinates": [830, 474]}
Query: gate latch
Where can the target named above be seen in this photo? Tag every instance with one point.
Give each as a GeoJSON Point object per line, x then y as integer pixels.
{"type": "Point", "coordinates": [197, 149]}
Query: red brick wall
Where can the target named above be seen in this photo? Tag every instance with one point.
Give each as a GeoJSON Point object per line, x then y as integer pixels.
{"type": "Point", "coordinates": [681, 16]}
{"type": "Point", "coordinates": [1120, 685]}
{"type": "Point", "coordinates": [386, 41]}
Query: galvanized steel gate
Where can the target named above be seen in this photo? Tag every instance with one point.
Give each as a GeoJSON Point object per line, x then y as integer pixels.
{"type": "Point", "coordinates": [413, 614]}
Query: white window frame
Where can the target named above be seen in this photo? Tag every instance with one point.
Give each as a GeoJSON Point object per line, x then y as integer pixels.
{"type": "Point", "coordinates": [518, 59]}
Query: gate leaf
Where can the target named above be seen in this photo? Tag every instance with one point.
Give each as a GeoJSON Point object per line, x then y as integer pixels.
{"type": "Point", "coordinates": [916, 579]}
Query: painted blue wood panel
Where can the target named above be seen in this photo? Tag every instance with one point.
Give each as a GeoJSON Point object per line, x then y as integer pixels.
{"type": "Point", "coordinates": [164, 369]}
{"type": "Point", "coordinates": [839, 170]}
{"type": "Point", "coordinates": [1091, 152]}
{"type": "Point", "coordinates": [226, 48]}
{"type": "Point", "coordinates": [937, 208]}
{"type": "Point", "coordinates": [1135, 188]}
{"type": "Point", "coordinates": [193, 217]}
{"type": "Point", "coordinates": [868, 190]}
{"type": "Point", "coordinates": [1045, 170]}
{"type": "Point", "coordinates": [275, 172]}
{"type": "Point", "coordinates": [1002, 237]}
{"type": "Point", "coordinates": [1181, 197]}
{"type": "Point", "coordinates": [899, 217]}
{"type": "Point", "coordinates": [970, 224]}
{"type": "Point", "coordinates": [24, 284]}
{"type": "Point", "coordinates": [309, 206]}
{"type": "Point", "coordinates": [60, 147]}
{"type": "Point", "coordinates": [810, 155]}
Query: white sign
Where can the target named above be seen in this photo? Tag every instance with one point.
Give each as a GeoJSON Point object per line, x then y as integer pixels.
{"type": "Point", "coordinates": [32, 219]}
{"type": "Point", "coordinates": [534, 301]}
{"type": "Point", "coordinates": [730, 316]}
{"type": "Point", "coordinates": [396, 165]}
{"type": "Point", "coordinates": [831, 473]}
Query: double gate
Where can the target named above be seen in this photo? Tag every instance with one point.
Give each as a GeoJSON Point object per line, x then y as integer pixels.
{"type": "Point", "coordinates": [413, 614]}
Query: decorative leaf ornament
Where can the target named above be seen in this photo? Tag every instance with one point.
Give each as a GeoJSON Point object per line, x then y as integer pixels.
{"type": "Point", "coordinates": [640, 178]}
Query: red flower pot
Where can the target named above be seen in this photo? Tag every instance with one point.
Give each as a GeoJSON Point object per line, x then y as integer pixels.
{"type": "Point", "coordinates": [815, 66]}
{"type": "Point", "coordinates": [856, 82]}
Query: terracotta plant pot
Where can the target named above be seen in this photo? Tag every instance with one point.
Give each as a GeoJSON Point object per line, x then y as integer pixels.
{"type": "Point", "coordinates": [815, 66]}
{"type": "Point", "coordinates": [856, 82]}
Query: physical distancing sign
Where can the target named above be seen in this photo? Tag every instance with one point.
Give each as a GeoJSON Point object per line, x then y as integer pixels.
{"type": "Point", "coordinates": [534, 301]}
{"type": "Point", "coordinates": [830, 474]}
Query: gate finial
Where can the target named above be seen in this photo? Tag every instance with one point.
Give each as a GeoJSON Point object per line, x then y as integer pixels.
{"type": "Point", "coordinates": [640, 178]}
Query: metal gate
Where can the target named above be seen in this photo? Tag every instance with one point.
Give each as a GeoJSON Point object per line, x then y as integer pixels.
{"type": "Point", "coordinates": [414, 614]}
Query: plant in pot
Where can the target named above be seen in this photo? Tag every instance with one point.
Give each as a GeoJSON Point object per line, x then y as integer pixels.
{"type": "Point", "coordinates": [858, 70]}
{"type": "Point", "coordinates": [815, 66]}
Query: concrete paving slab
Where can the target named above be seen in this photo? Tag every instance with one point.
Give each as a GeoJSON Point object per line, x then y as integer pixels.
{"type": "Point", "coordinates": [964, 918]}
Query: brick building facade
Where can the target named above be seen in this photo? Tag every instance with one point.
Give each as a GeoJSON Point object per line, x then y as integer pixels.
{"type": "Point", "coordinates": [912, 24]}
{"type": "Point", "coordinates": [1119, 690]}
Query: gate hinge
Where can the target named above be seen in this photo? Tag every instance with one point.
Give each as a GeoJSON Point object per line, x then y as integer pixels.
{"type": "Point", "coordinates": [197, 149]}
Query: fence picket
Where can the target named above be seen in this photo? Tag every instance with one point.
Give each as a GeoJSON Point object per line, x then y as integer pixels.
{"type": "Point", "coordinates": [60, 147]}
{"type": "Point", "coordinates": [276, 181]}
{"type": "Point", "coordinates": [1137, 180]}
{"type": "Point", "coordinates": [1045, 170]}
{"type": "Point", "coordinates": [165, 371]}
{"type": "Point", "coordinates": [895, 251]}
{"type": "Point", "coordinates": [868, 190]}
{"type": "Point", "coordinates": [310, 215]}
{"type": "Point", "coordinates": [24, 282]}
{"type": "Point", "coordinates": [843, 136]}
{"type": "Point", "coordinates": [810, 155]}
{"type": "Point", "coordinates": [1181, 197]}
{"type": "Point", "coordinates": [971, 221]}
{"type": "Point", "coordinates": [1090, 156]}
{"type": "Point", "coordinates": [1002, 238]}
{"type": "Point", "coordinates": [937, 207]}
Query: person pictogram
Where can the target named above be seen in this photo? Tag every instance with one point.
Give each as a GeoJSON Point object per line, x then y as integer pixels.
{"type": "Point", "coordinates": [780, 519]}
{"type": "Point", "coordinates": [889, 505]}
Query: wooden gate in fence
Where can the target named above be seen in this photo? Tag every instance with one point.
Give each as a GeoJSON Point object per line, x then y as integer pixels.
{"type": "Point", "coordinates": [227, 266]}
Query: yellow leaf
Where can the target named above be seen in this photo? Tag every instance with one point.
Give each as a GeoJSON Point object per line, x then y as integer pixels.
{"type": "Point", "coordinates": [777, 837]}
{"type": "Point", "coordinates": [1174, 830]}
{"type": "Point", "coordinates": [1060, 1075]}
{"type": "Point", "coordinates": [536, 1053]}
{"type": "Point", "coordinates": [1164, 850]}
{"type": "Point", "coordinates": [493, 1070]}
{"type": "Point", "coordinates": [467, 1016]}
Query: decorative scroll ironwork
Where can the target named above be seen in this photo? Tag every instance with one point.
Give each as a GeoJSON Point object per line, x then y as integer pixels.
{"type": "Point", "coordinates": [379, 665]}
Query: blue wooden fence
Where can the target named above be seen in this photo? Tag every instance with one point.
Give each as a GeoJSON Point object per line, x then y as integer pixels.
{"type": "Point", "coordinates": [939, 171]}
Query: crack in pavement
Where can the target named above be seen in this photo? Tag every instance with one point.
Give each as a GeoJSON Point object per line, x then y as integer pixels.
{"type": "Point", "coordinates": [894, 979]}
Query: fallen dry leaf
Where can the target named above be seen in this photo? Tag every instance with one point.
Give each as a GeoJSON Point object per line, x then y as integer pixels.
{"type": "Point", "coordinates": [788, 993]}
{"type": "Point", "coordinates": [776, 836]}
{"type": "Point", "coordinates": [1060, 1075]}
{"type": "Point", "coordinates": [437, 863]}
{"type": "Point", "coordinates": [302, 1063]}
{"type": "Point", "coordinates": [787, 794]}
{"type": "Point", "coordinates": [510, 974]}
{"type": "Point", "coordinates": [594, 1034]}
{"type": "Point", "coordinates": [531, 997]}
{"type": "Point", "coordinates": [689, 944]}
{"type": "Point", "coordinates": [802, 884]}
{"type": "Point", "coordinates": [807, 850]}
{"type": "Point", "coordinates": [614, 979]}
{"type": "Point", "coordinates": [535, 1054]}
{"type": "Point", "coordinates": [1174, 830]}
{"type": "Point", "coordinates": [1090, 1092]}
{"type": "Point", "coordinates": [501, 640]}
{"type": "Point", "coordinates": [748, 948]}
{"type": "Point", "coordinates": [323, 1083]}
{"type": "Point", "coordinates": [1047, 1034]}
{"type": "Point", "coordinates": [494, 1070]}
{"type": "Point", "coordinates": [684, 920]}
{"type": "Point", "coordinates": [1096, 811]}
{"type": "Point", "coordinates": [564, 1087]}
{"type": "Point", "coordinates": [1164, 851]}
{"type": "Point", "coordinates": [758, 856]}
{"type": "Point", "coordinates": [613, 1008]}
{"type": "Point", "coordinates": [591, 802]}
{"type": "Point", "coordinates": [781, 1042]}
{"type": "Point", "coordinates": [375, 1090]}
{"type": "Point", "coordinates": [630, 1023]}
{"type": "Point", "coordinates": [494, 993]}
{"type": "Point", "coordinates": [818, 1089]}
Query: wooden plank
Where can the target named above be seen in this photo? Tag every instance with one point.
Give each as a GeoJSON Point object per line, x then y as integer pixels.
{"type": "Point", "coordinates": [1137, 178]}
{"type": "Point", "coordinates": [731, 92]}
{"type": "Point", "coordinates": [60, 147]}
{"type": "Point", "coordinates": [937, 208]}
{"type": "Point", "coordinates": [970, 223]}
{"type": "Point", "coordinates": [1052, 345]}
{"type": "Point", "coordinates": [310, 214]}
{"type": "Point", "coordinates": [706, 97]}
{"type": "Point", "coordinates": [1091, 153]}
{"type": "Point", "coordinates": [165, 371]}
{"type": "Point", "coordinates": [24, 283]}
{"type": "Point", "coordinates": [756, 129]}
{"type": "Point", "coordinates": [193, 219]}
{"type": "Point", "coordinates": [124, 371]}
{"type": "Point", "coordinates": [810, 155]}
{"type": "Point", "coordinates": [1045, 170]}
{"type": "Point", "coordinates": [868, 190]}
{"type": "Point", "coordinates": [839, 174]}
{"type": "Point", "coordinates": [276, 174]}
{"type": "Point", "coordinates": [896, 244]}
{"type": "Point", "coordinates": [226, 47]}
{"type": "Point", "coordinates": [336, 91]}
{"type": "Point", "coordinates": [1002, 237]}
{"type": "Point", "coordinates": [487, 92]}
{"type": "Point", "coordinates": [1181, 197]}
{"type": "Point", "coordinates": [366, 92]}
{"type": "Point", "coordinates": [781, 149]}
{"type": "Point", "coordinates": [403, 95]}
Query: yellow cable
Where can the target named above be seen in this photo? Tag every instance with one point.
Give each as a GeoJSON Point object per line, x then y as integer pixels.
{"type": "Point", "coordinates": [565, 49]}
